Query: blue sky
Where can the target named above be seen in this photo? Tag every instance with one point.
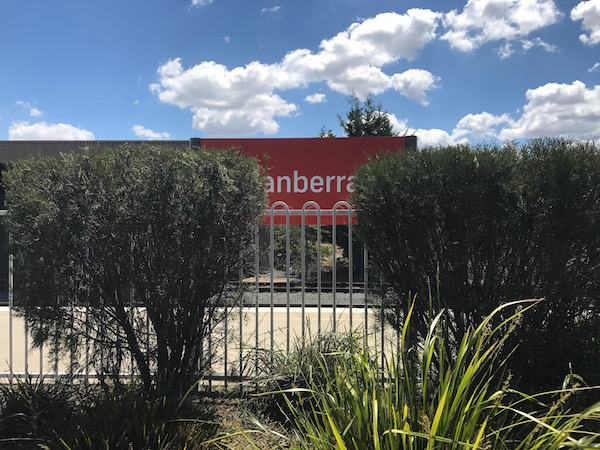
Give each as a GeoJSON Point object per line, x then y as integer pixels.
{"type": "Point", "coordinates": [478, 70]}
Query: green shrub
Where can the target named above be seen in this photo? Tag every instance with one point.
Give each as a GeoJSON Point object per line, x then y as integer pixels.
{"type": "Point", "coordinates": [165, 231]}
{"type": "Point", "coordinates": [493, 224]}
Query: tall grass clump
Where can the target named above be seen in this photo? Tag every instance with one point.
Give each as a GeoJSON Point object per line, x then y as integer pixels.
{"type": "Point", "coordinates": [307, 364]}
{"type": "Point", "coordinates": [433, 396]}
{"type": "Point", "coordinates": [63, 414]}
{"type": "Point", "coordinates": [34, 412]}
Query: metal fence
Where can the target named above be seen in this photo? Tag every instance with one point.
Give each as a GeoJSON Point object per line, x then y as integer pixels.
{"type": "Point", "coordinates": [310, 276]}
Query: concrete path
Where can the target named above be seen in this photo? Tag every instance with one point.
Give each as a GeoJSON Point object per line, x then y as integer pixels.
{"type": "Point", "coordinates": [255, 328]}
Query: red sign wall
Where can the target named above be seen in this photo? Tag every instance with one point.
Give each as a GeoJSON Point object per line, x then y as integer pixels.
{"type": "Point", "coordinates": [319, 170]}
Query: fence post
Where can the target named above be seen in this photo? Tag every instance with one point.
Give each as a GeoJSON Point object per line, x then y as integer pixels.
{"type": "Point", "coordinates": [11, 285]}
{"type": "Point", "coordinates": [257, 287]}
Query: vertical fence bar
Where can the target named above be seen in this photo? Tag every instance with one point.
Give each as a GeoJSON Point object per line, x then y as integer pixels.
{"type": "Point", "coordinates": [286, 210]}
{"type": "Point", "coordinates": [350, 266]}
{"type": "Point", "coordinates": [11, 286]}
{"type": "Point", "coordinates": [41, 363]}
{"type": "Point", "coordinates": [366, 284]}
{"type": "Point", "coordinates": [100, 340]}
{"type": "Point", "coordinates": [272, 281]}
{"type": "Point", "coordinates": [350, 262]}
{"type": "Point", "coordinates": [319, 271]}
{"type": "Point", "coordinates": [287, 280]}
{"type": "Point", "coordinates": [257, 294]}
{"type": "Point", "coordinates": [147, 325]}
{"type": "Point", "coordinates": [87, 344]}
{"type": "Point", "coordinates": [334, 268]}
{"type": "Point", "coordinates": [56, 374]}
{"type": "Point", "coordinates": [303, 269]}
{"type": "Point", "coordinates": [210, 358]}
{"type": "Point", "coordinates": [241, 335]}
{"type": "Point", "coordinates": [382, 321]}
{"type": "Point", "coordinates": [226, 324]}
{"type": "Point", "coordinates": [26, 356]}
{"type": "Point", "coordinates": [131, 313]}
{"type": "Point", "coordinates": [202, 354]}
{"type": "Point", "coordinates": [71, 355]}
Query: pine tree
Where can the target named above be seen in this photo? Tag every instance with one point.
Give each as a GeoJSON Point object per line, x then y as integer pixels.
{"type": "Point", "coordinates": [366, 119]}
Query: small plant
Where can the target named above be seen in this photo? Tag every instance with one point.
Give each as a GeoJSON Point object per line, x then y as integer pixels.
{"type": "Point", "coordinates": [34, 411]}
{"type": "Point", "coordinates": [308, 364]}
{"type": "Point", "coordinates": [62, 414]}
{"type": "Point", "coordinates": [127, 418]}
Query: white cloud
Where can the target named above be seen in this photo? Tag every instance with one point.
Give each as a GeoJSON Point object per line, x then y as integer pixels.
{"type": "Point", "coordinates": [146, 133]}
{"type": "Point", "coordinates": [433, 138]}
{"type": "Point", "coordinates": [274, 9]}
{"type": "Point", "coordinates": [594, 68]}
{"type": "Point", "coordinates": [227, 39]}
{"type": "Point", "coordinates": [414, 83]}
{"type": "Point", "coordinates": [239, 101]}
{"type": "Point", "coordinates": [33, 111]}
{"type": "Point", "coordinates": [484, 21]}
{"type": "Point", "coordinates": [243, 100]}
{"type": "Point", "coordinates": [505, 50]}
{"type": "Point", "coordinates": [201, 2]}
{"type": "Point", "coordinates": [558, 110]}
{"type": "Point", "coordinates": [482, 125]}
{"type": "Point", "coordinates": [552, 110]}
{"type": "Point", "coordinates": [528, 44]}
{"type": "Point", "coordinates": [315, 98]}
{"type": "Point", "coordinates": [398, 126]}
{"type": "Point", "coordinates": [589, 13]}
{"type": "Point", "coordinates": [472, 126]}
{"type": "Point", "coordinates": [42, 131]}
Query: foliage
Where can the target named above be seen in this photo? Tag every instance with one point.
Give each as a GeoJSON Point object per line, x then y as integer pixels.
{"type": "Point", "coordinates": [126, 418]}
{"type": "Point", "coordinates": [28, 412]}
{"type": "Point", "coordinates": [448, 400]}
{"type": "Point", "coordinates": [493, 224]}
{"type": "Point", "coordinates": [311, 242]}
{"type": "Point", "coordinates": [132, 251]}
{"type": "Point", "coordinates": [62, 414]}
{"type": "Point", "coordinates": [365, 120]}
{"type": "Point", "coordinates": [326, 134]}
{"type": "Point", "coordinates": [308, 364]}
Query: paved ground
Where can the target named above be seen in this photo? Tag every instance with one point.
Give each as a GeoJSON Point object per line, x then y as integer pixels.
{"type": "Point", "coordinates": [280, 298]}
{"type": "Point", "coordinates": [286, 323]}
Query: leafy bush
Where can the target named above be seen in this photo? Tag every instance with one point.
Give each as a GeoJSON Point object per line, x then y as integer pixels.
{"type": "Point", "coordinates": [493, 224]}
{"type": "Point", "coordinates": [132, 251]}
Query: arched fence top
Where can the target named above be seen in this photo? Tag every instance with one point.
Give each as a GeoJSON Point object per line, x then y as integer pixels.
{"type": "Point", "coordinates": [311, 213]}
